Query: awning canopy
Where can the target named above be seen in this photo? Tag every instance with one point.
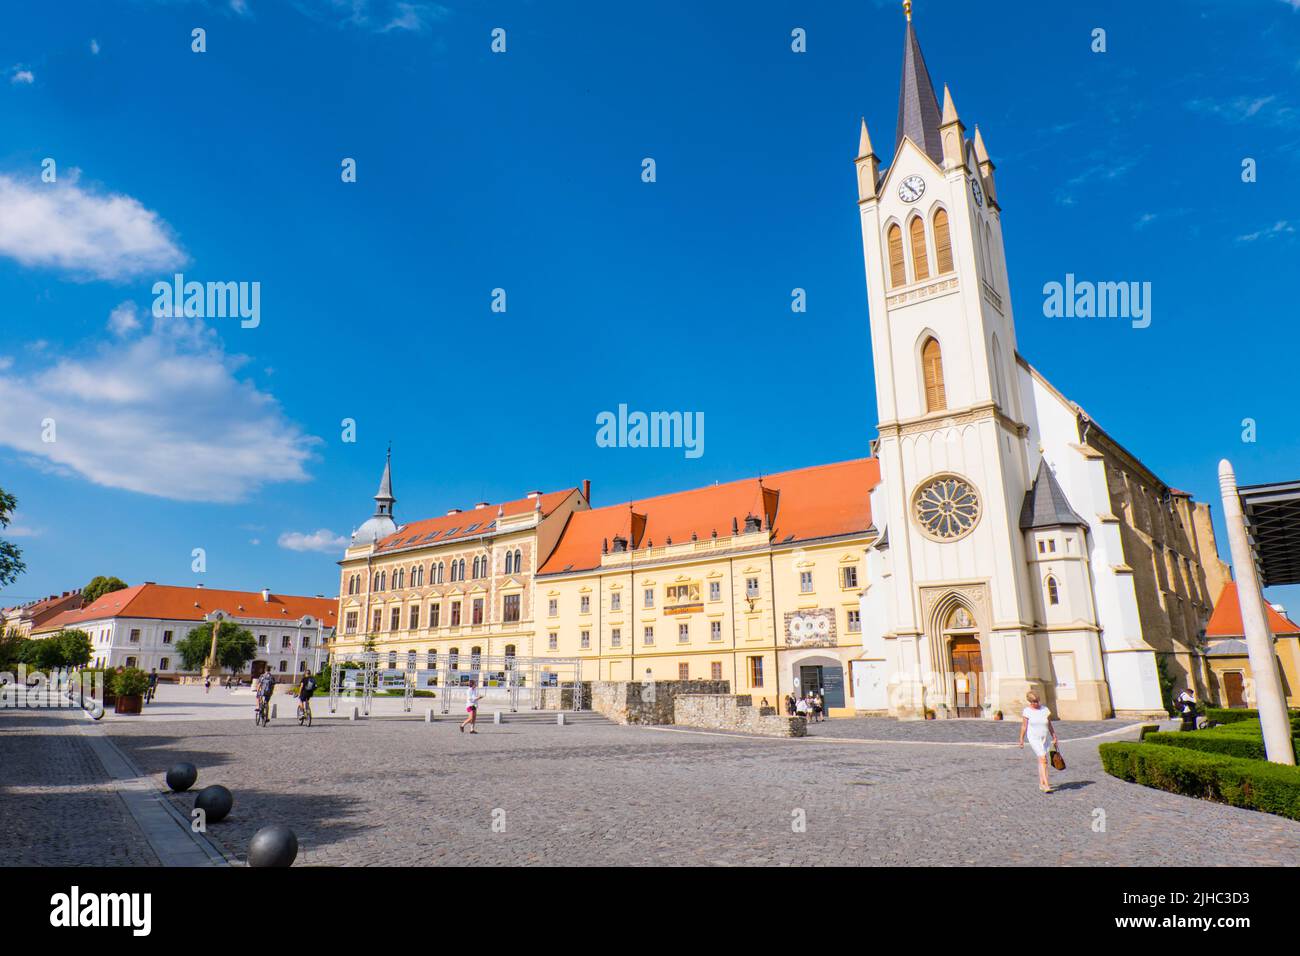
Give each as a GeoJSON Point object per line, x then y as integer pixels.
{"type": "Point", "coordinates": [1273, 522]}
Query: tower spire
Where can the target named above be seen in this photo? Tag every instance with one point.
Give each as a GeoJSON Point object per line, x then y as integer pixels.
{"type": "Point", "coordinates": [384, 499]}
{"type": "Point", "coordinates": [918, 107]}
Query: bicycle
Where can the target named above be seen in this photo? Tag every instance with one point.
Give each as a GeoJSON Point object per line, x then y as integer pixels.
{"type": "Point", "coordinates": [304, 713]}
{"type": "Point", "coordinates": [262, 716]}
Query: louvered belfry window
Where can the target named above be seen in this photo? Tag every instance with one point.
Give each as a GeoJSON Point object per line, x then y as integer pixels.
{"type": "Point", "coordinates": [942, 243]}
{"type": "Point", "coordinates": [932, 368]}
{"type": "Point", "coordinates": [897, 272]}
{"type": "Point", "coordinates": [920, 265]}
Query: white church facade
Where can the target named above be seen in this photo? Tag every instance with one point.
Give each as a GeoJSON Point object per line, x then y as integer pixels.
{"type": "Point", "coordinates": [1020, 546]}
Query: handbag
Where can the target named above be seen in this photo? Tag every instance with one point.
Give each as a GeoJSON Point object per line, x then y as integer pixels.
{"type": "Point", "coordinates": [1058, 762]}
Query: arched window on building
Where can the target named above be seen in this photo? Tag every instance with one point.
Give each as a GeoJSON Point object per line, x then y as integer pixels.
{"type": "Point", "coordinates": [920, 263]}
{"type": "Point", "coordinates": [475, 658]}
{"type": "Point", "coordinates": [410, 660]}
{"type": "Point", "coordinates": [897, 270]}
{"type": "Point", "coordinates": [942, 243]}
{"type": "Point", "coordinates": [519, 561]}
{"type": "Point", "coordinates": [460, 568]}
{"type": "Point", "coordinates": [932, 370]}
{"type": "Point", "coordinates": [510, 657]}
{"type": "Point", "coordinates": [510, 562]}
{"type": "Point", "coordinates": [1053, 592]}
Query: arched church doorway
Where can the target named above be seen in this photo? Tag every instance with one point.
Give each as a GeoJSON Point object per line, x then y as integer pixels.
{"type": "Point", "coordinates": [965, 663]}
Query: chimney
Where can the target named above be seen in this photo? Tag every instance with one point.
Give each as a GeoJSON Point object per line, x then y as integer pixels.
{"type": "Point", "coordinates": [199, 586]}
{"type": "Point", "coordinates": [586, 489]}
{"type": "Point", "coordinates": [481, 504]}
{"type": "Point", "coordinates": [620, 544]}
{"type": "Point", "coordinates": [266, 595]}
{"type": "Point", "coordinates": [533, 494]}
{"type": "Point", "coordinates": [453, 511]}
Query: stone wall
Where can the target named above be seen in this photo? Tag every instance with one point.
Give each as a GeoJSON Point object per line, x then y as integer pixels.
{"type": "Point", "coordinates": [647, 702]}
{"type": "Point", "coordinates": [735, 712]}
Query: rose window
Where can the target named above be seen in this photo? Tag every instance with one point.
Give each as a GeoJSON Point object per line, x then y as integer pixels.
{"type": "Point", "coordinates": [947, 508]}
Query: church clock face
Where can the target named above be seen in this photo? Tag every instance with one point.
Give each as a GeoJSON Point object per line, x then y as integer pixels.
{"type": "Point", "coordinates": [979, 193]}
{"type": "Point", "coordinates": [911, 189]}
{"type": "Point", "coordinates": [946, 508]}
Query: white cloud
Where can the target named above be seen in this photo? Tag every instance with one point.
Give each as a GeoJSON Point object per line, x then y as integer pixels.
{"type": "Point", "coordinates": [124, 319]}
{"type": "Point", "coordinates": [64, 226]}
{"type": "Point", "coordinates": [19, 530]}
{"type": "Point", "coordinates": [1281, 227]}
{"type": "Point", "coordinates": [21, 76]}
{"type": "Point", "coordinates": [164, 413]}
{"type": "Point", "coordinates": [380, 16]}
{"type": "Point", "coordinates": [322, 540]}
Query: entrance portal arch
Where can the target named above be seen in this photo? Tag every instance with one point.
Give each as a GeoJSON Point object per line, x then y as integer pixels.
{"type": "Point", "coordinates": [959, 639]}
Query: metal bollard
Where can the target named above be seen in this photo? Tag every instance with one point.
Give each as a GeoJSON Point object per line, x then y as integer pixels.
{"type": "Point", "coordinates": [559, 719]}
{"type": "Point", "coordinates": [428, 716]}
{"type": "Point", "coordinates": [273, 710]}
{"type": "Point", "coordinates": [496, 716]}
{"type": "Point", "coordinates": [353, 715]}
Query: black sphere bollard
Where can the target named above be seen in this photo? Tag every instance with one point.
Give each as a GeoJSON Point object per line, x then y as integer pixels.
{"type": "Point", "coordinates": [182, 776]}
{"type": "Point", "coordinates": [215, 802]}
{"type": "Point", "coordinates": [273, 846]}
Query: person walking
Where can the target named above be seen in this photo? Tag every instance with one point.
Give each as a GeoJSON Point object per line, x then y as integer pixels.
{"type": "Point", "coordinates": [207, 684]}
{"type": "Point", "coordinates": [471, 708]}
{"type": "Point", "coordinates": [153, 684]}
{"type": "Point", "coordinates": [1036, 726]}
{"type": "Point", "coordinates": [819, 706]}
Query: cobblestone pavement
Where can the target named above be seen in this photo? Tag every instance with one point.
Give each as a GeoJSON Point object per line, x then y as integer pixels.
{"type": "Point", "coordinates": [406, 792]}
{"type": "Point", "coordinates": [57, 805]}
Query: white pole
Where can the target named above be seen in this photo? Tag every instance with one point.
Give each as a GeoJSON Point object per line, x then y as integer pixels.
{"type": "Point", "coordinates": [1254, 621]}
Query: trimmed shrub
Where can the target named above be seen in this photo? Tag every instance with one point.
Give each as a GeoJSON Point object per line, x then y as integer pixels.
{"type": "Point", "coordinates": [1147, 729]}
{"type": "Point", "coordinates": [1224, 715]}
{"type": "Point", "coordinates": [1253, 784]}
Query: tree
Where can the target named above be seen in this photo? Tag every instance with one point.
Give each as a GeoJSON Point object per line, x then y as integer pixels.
{"type": "Point", "coordinates": [236, 646]}
{"type": "Point", "coordinates": [11, 556]}
{"type": "Point", "coordinates": [74, 646]}
{"type": "Point", "coordinates": [12, 648]}
{"type": "Point", "coordinates": [99, 586]}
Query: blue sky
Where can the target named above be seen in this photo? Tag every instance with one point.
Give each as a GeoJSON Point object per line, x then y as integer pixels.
{"type": "Point", "coordinates": [522, 171]}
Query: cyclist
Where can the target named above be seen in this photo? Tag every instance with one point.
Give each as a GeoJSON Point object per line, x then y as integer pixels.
{"type": "Point", "coordinates": [305, 690]}
{"type": "Point", "coordinates": [265, 687]}
{"type": "Point", "coordinates": [153, 684]}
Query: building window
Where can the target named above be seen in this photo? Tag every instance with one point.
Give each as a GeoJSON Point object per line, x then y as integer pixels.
{"type": "Point", "coordinates": [410, 660]}
{"type": "Point", "coordinates": [510, 562]}
{"type": "Point", "coordinates": [519, 561]}
{"type": "Point", "coordinates": [285, 642]}
{"type": "Point", "coordinates": [552, 607]}
{"type": "Point", "coordinates": [715, 630]}
{"type": "Point", "coordinates": [751, 587]}
{"type": "Point", "coordinates": [715, 590]}
{"type": "Point", "coordinates": [392, 660]}
{"type": "Point", "coordinates": [453, 658]}
{"type": "Point", "coordinates": [849, 576]}
{"type": "Point", "coordinates": [1053, 593]}
{"type": "Point", "coordinates": [476, 611]}
{"type": "Point", "coordinates": [683, 671]}
{"type": "Point", "coordinates": [130, 662]}
{"type": "Point", "coordinates": [756, 672]}
{"type": "Point", "coordinates": [715, 670]}
{"type": "Point", "coordinates": [435, 611]}
{"type": "Point", "coordinates": [584, 604]}
{"type": "Point", "coordinates": [306, 640]}
{"type": "Point", "coordinates": [584, 640]}
{"type": "Point", "coordinates": [431, 659]}
{"type": "Point", "coordinates": [302, 667]}
{"type": "Point", "coordinates": [167, 637]}
{"type": "Point", "coordinates": [616, 637]}
{"type": "Point", "coordinates": [805, 582]}
{"type": "Point", "coordinates": [284, 667]}
{"type": "Point", "coordinates": [616, 601]}
{"type": "Point", "coordinates": [395, 619]}
{"type": "Point", "coordinates": [135, 635]}
{"type": "Point", "coordinates": [920, 265]}
{"type": "Point", "coordinates": [165, 664]}
{"type": "Point", "coordinates": [942, 243]}
{"type": "Point", "coordinates": [897, 270]}
{"type": "Point", "coordinates": [648, 637]}
{"type": "Point", "coordinates": [649, 597]}
{"type": "Point", "coordinates": [552, 641]}
{"type": "Point", "coordinates": [415, 616]}
{"type": "Point", "coordinates": [855, 622]}
{"type": "Point", "coordinates": [376, 620]}
{"type": "Point", "coordinates": [475, 658]}
{"type": "Point", "coordinates": [261, 638]}
{"type": "Point", "coordinates": [350, 622]}
{"type": "Point", "coordinates": [455, 614]}
{"type": "Point", "coordinates": [510, 608]}
{"type": "Point", "coordinates": [683, 633]}
{"type": "Point", "coordinates": [932, 371]}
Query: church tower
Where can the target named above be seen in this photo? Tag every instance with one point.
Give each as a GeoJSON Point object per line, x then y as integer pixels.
{"type": "Point", "coordinates": [958, 628]}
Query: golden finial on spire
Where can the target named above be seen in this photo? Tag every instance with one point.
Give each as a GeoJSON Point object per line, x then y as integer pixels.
{"type": "Point", "coordinates": [907, 10]}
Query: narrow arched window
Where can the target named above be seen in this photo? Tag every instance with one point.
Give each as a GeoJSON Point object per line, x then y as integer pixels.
{"type": "Point", "coordinates": [932, 369]}
{"type": "Point", "coordinates": [920, 264]}
{"type": "Point", "coordinates": [942, 243]}
{"type": "Point", "coordinates": [519, 560]}
{"type": "Point", "coordinates": [1053, 592]}
{"type": "Point", "coordinates": [897, 271]}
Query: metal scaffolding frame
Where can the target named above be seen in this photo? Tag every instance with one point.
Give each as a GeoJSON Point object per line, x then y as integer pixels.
{"type": "Point", "coordinates": [369, 661]}
{"type": "Point", "coordinates": [501, 680]}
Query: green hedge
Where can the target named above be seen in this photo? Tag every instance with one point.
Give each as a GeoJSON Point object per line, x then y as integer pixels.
{"type": "Point", "coordinates": [1253, 784]}
{"type": "Point", "coordinates": [1224, 715]}
{"type": "Point", "coordinates": [1246, 746]}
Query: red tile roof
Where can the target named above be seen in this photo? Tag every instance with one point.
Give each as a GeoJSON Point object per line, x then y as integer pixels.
{"type": "Point", "coordinates": [452, 527]}
{"type": "Point", "coordinates": [173, 603]}
{"type": "Point", "coordinates": [818, 502]}
{"type": "Point", "coordinates": [1226, 619]}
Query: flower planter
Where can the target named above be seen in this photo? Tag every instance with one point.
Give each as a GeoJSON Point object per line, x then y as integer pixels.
{"type": "Point", "coordinates": [129, 704]}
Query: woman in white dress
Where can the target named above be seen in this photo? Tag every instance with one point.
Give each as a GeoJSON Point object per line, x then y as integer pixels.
{"type": "Point", "coordinates": [1037, 727]}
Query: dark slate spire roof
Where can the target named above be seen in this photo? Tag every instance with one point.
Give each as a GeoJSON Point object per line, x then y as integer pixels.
{"type": "Point", "coordinates": [918, 107]}
{"type": "Point", "coordinates": [1045, 503]}
{"type": "Point", "coordinates": [385, 494]}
